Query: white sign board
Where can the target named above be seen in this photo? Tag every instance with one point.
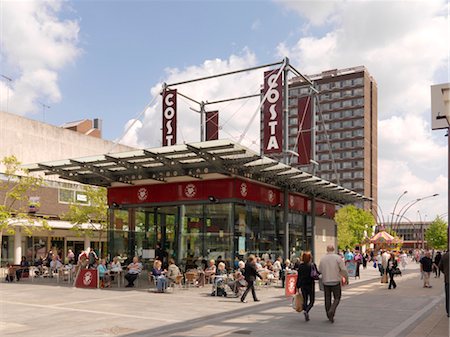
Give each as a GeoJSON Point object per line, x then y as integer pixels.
{"type": "Point", "coordinates": [440, 106]}
{"type": "Point", "coordinates": [148, 253]}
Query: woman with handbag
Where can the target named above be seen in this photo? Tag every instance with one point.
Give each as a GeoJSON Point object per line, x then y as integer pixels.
{"type": "Point", "coordinates": [392, 267]}
{"type": "Point", "coordinates": [307, 272]}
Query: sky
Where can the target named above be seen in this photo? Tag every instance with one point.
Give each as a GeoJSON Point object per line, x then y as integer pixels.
{"type": "Point", "coordinates": [70, 60]}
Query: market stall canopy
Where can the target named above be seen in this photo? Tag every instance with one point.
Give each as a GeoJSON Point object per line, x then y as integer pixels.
{"type": "Point", "coordinates": [382, 237]}
{"type": "Point", "coordinates": [206, 160]}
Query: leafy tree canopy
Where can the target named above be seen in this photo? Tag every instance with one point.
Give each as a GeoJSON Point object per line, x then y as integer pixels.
{"type": "Point", "coordinates": [352, 223]}
{"type": "Point", "coordinates": [437, 234]}
{"type": "Point", "coordinates": [15, 188]}
{"type": "Point", "coordinates": [95, 212]}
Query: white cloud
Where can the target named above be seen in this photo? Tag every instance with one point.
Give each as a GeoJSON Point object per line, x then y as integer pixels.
{"type": "Point", "coordinates": [405, 46]}
{"type": "Point", "coordinates": [317, 12]}
{"type": "Point", "coordinates": [36, 44]}
{"type": "Point", "coordinates": [225, 87]}
{"type": "Point", "coordinates": [256, 25]}
{"type": "Point", "coordinates": [396, 177]}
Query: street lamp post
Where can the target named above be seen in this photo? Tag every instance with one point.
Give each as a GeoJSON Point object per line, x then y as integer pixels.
{"type": "Point", "coordinates": [413, 203]}
{"type": "Point", "coordinates": [380, 219]}
{"type": "Point", "coordinates": [395, 206]}
{"type": "Point", "coordinates": [413, 226]}
{"type": "Point", "coordinates": [422, 232]}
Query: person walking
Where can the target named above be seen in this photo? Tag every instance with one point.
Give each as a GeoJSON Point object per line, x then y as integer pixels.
{"type": "Point", "coordinates": [379, 264]}
{"type": "Point", "coordinates": [250, 274]}
{"type": "Point", "coordinates": [305, 283]}
{"type": "Point", "coordinates": [403, 260]}
{"type": "Point", "coordinates": [384, 260]}
{"type": "Point", "coordinates": [333, 270]}
{"type": "Point", "coordinates": [365, 259]}
{"type": "Point", "coordinates": [358, 260]}
{"type": "Point", "coordinates": [444, 266]}
{"type": "Point", "coordinates": [392, 265]}
{"type": "Point", "coordinates": [437, 260]}
{"type": "Point", "coordinates": [426, 264]}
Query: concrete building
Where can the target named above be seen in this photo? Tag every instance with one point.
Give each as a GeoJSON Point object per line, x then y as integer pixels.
{"type": "Point", "coordinates": [34, 141]}
{"type": "Point", "coordinates": [346, 128]}
{"type": "Point", "coordinates": [413, 234]}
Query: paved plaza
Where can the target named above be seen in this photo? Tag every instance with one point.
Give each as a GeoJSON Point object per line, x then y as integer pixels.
{"type": "Point", "coordinates": [368, 308]}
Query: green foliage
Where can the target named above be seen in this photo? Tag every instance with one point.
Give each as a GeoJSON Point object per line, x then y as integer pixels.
{"type": "Point", "coordinates": [95, 212]}
{"type": "Point", "coordinates": [436, 234]}
{"type": "Point", "coordinates": [15, 189]}
{"type": "Point", "coordinates": [352, 222]}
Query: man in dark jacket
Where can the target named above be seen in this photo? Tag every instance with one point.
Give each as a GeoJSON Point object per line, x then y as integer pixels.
{"type": "Point", "coordinates": [250, 274]}
{"type": "Point", "coordinates": [444, 266]}
{"type": "Point", "coordinates": [426, 266]}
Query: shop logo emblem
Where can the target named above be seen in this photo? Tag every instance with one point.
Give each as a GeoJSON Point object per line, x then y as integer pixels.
{"type": "Point", "coordinates": [142, 194]}
{"type": "Point", "coordinates": [244, 189]}
{"type": "Point", "coordinates": [271, 196]}
{"type": "Point", "coordinates": [87, 278]}
{"type": "Point", "coordinates": [190, 190]}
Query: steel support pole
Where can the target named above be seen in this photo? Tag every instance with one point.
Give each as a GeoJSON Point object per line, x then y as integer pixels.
{"type": "Point", "coordinates": [314, 163]}
{"type": "Point", "coordinates": [202, 121]}
{"type": "Point", "coordinates": [225, 74]}
{"type": "Point", "coordinates": [285, 155]}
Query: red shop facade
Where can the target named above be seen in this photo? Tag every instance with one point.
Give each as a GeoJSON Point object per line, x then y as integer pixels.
{"type": "Point", "coordinates": [194, 221]}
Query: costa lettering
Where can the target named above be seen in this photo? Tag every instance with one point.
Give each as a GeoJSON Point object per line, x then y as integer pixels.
{"type": "Point", "coordinates": [272, 112]}
{"type": "Point", "coordinates": [169, 117]}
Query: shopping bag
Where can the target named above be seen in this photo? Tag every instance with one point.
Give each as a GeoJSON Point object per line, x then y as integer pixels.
{"type": "Point", "coordinates": [297, 302]}
{"type": "Point", "coordinates": [321, 288]}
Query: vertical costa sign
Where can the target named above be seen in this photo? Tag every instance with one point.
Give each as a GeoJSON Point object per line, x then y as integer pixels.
{"type": "Point", "coordinates": [272, 112]}
{"type": "Point", "coordinates": [304, 126]}
{"type": "Point", "coordinates": [169, 117]}
{"type": "Point", "coordinates": [212, 125]}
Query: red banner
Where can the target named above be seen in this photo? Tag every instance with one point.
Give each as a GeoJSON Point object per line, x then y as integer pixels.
{"type": "Point", "coordinates": [220, 189]}
{"type": "Point", "coordinates": [272, 113]}
{"type": "Point", "coordinates": [304, 127]}
{"type": "Point", "coordinates": [212, 125]}
{"type": "Point", "coordinates": [87, 278]}
{"type": "Point", "coordinates": [169, 117]}
{"type": "Point", "coordinates": [291, 284]}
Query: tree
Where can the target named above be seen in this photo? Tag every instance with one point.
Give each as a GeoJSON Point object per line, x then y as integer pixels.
{"type": "Point", "coordinates": [94, 213]}
{"type": "Point", "coordinates": [436, 234]}
{"type": "Point", "coordinates": [353, 224]}
{"type": "Point", "coordinates": [15, 188]}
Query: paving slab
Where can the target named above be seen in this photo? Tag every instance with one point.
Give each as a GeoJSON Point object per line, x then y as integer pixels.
{"type": "Point", "coordinates": [50, 310]}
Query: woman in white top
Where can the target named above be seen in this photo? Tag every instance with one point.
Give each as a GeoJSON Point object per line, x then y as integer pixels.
{"type": "Point", "coordinates": [403, 260]}
{"type": "Point", "coordinates": [115, 267]}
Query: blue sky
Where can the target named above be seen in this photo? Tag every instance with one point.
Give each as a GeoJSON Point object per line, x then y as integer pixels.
{"type": "Point", "coordinates": [107, 59]}
{"type": "Point", "coordinates": [127, 45]}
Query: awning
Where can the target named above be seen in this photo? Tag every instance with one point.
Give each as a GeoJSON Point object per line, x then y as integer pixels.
{"type": "Point", "coordinates": [193, 161]}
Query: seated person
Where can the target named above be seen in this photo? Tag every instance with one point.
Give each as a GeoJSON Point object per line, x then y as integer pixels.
{"type": "Point", "coordinates": [103, 274]}
{"type": "Point", "coordinates": [116, 267]}
{"type": "Point", "coordinates": [158, 274]}
{"type": "Point", "coordinates": [219, 280]}
{"type": "Point", "coordinates": [239, 279]}
{"type": "Point", "coordinates": [134, 269]}
{"type": "Point", "coordinates": [9, 273]}
{"type": "Point", "coordinates": [92, 258]}
{"type": "Point", "coordinates": [173, 271]}
{"type": "Point", "coordinates": [55, 265]}
{"type": "Point", "coordinates": [24, 264]}
{"type": "Point", "coordinates": [211, 270]}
